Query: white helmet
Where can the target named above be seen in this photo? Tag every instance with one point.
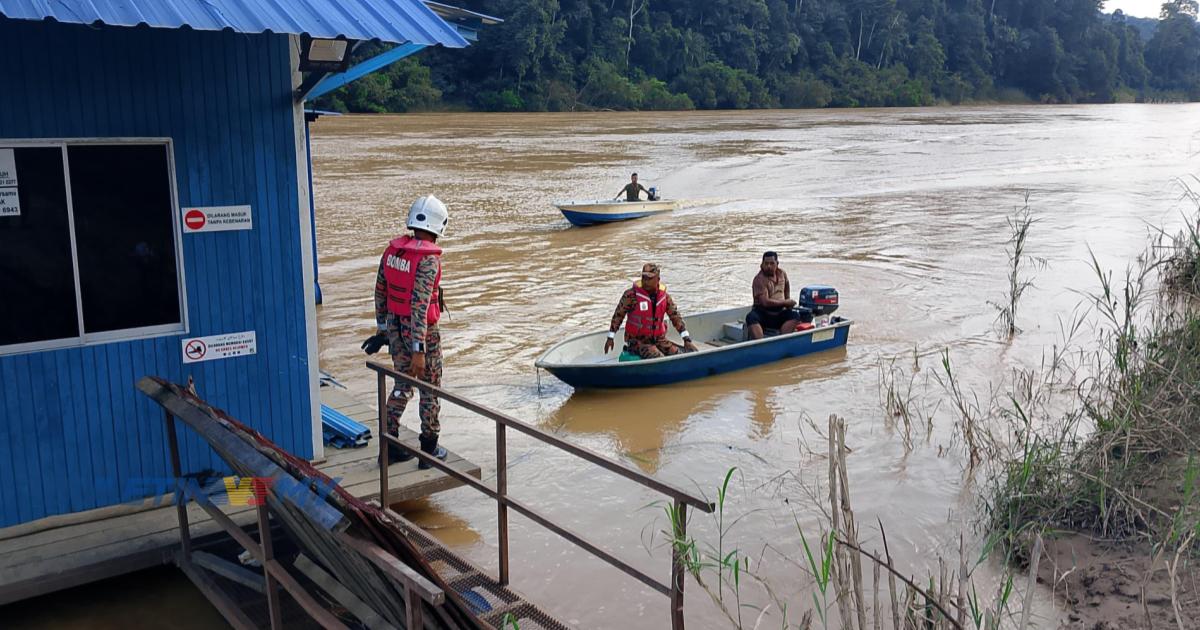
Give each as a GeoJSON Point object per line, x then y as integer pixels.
{"type": "Point", "coordinates": [428, 213]}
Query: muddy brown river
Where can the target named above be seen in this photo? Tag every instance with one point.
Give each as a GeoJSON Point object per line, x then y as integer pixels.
{"type": "Point", "coordinates": [903, 211]}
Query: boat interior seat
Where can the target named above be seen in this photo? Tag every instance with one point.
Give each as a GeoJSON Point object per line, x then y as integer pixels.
{"type": "Point", "coordinates": [733, 331]}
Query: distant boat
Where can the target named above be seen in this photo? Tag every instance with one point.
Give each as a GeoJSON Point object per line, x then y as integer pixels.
{"type": "Point", "coordinates": [607, 210]}
{"type": "Point", "coordinates": [721, 347]}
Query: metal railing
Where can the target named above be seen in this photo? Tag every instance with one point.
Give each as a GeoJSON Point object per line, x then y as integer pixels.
{"type": "Point", "coordinates": [504, 502]}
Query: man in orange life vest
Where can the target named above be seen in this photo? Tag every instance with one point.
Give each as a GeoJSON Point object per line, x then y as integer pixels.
{"type": "Point", "coordinates": [648, 307]}
{"type": "Point", "coordinates": [407, 309]}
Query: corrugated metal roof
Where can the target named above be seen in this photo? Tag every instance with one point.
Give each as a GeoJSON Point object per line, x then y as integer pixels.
{"type": "Point", "coordinates": [395, 21]}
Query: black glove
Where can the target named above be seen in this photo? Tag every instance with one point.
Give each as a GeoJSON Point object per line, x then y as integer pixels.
{"type": "Point", "coordinates": [373, 344]}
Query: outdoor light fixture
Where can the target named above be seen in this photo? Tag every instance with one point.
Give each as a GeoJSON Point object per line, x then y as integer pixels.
{"type": "Point", "coordinates": [324, 55]}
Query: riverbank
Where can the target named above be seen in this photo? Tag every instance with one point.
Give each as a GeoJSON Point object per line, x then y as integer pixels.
{"type": "Point", "coordinates": [1114, 484]}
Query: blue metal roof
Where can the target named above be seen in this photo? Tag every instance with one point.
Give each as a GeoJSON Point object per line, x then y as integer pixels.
{"type": "Point", "coordinates": [396, 21]}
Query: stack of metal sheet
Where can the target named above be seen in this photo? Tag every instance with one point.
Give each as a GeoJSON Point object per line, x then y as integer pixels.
{"type": "Point", "coordinates": [339, 430]}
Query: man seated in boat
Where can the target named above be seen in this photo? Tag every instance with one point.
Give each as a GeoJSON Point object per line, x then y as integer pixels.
{"type": "Point", "coordinates": [648, 307]}
{"type": "Point", "coordinates": [633, 190]}
{"type": "Point", "coordinates": [773, 303]}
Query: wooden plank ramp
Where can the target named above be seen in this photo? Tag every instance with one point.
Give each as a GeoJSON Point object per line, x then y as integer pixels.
{"type": "Point", "coordinates": [70, 550]}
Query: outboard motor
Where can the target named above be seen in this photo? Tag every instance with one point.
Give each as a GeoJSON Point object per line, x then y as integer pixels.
{"type": "Point", "coordinates": [821, 301]}
{"type": "Point", "coordinates": [652, 193]}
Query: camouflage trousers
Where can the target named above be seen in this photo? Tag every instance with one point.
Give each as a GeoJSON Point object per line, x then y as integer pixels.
{"type": "Point", "coordinates": [648, 348]}
{"type": "Point", "coordinates": [400, 345]}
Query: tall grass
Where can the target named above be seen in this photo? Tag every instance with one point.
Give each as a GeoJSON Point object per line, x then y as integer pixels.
{"type": "Point", "coordinates": [840, 596]}
{"type": "Point", "coordinates": [1181, 268]}
{"type": "Point", "coordinates": [1121, 465]}
{"type": "Point", "coordinates": [1019, 262]}
{"type": "Point", "coordinates": [1103, 440]}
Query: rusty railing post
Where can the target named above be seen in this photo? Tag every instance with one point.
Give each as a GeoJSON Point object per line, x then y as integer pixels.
{"type": "Point", "coordinates": [181, 499]}
{"type": "Point", "coordinates": [268, 557]}
{"type": "Point", "coordinates": [677, 573]}
{"type": "Point", "coordinates": [381, 397]}
{"type": "Point", "coordinates": [502, 503]}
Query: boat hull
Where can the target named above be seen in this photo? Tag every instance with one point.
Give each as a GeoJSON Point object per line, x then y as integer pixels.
{"type": "Point", "coordinates": [709, 361]}
{"type": "Point", "coordinates": [591, 213]}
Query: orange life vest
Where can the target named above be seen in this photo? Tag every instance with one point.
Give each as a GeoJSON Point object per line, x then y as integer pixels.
{"type": "Point", "coordinates": [649, 315]}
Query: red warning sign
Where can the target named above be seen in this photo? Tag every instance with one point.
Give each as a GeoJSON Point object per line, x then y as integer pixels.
{"type": "Point", "coordinates": [195, 350]}
{"type": "Point", "coordinates": [194, 219]}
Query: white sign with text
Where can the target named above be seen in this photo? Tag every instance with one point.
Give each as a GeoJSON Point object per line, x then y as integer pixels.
{"type": "Point", "coordinates": [214, 347]}
{"type": "Point", "coordinates": [217, 219]}
{"type": "Point", "coordinates": [10, 204]}
{"type": "Point", "coordinates": [8, 168]}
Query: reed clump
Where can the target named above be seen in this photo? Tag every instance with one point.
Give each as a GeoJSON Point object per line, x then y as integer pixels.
{"type": "Point", "coordinates": [1101, 440]}
{"type": "Point", "coordinates": [1122, 465]}
{"type": "Point", "coordinates": [1181, 268]}
{"type": "Point", "coordinates": [854, 586]}
{"type": "Point", "coordinates": [1020, 262]}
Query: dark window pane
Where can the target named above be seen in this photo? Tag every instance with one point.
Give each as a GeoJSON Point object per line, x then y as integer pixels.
{"type": "Point", "coordinates": [124, 235]}
{"type": "Point", "coordinates": [37, 279]}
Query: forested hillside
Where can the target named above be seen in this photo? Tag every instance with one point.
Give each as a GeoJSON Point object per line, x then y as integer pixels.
{"type": "Point", "coordinates": [564, 55]}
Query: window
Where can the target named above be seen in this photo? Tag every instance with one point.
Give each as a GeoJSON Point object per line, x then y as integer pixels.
{"type": "Point", "coordinates": [37, 277]}
{"type": "Point", "coordinates": [89, 249]}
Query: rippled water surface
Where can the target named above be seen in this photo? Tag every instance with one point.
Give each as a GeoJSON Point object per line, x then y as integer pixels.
{"type": "Point", "coordinates": [904, 211]}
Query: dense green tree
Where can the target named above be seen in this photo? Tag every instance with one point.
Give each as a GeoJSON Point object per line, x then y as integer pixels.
{"type": "Point", "coordinates": [563, 55]}
{"type": "Point", "coordinates": [1131, 59]}
{"type": "Point", "coordinates": [924, 54]}
{"type": "Point", "coordinates": [401, 87]}
{"type": "Point", "coordinates": [1173, 54]}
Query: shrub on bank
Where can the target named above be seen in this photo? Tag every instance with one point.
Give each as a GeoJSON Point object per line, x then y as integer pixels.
{"type": "Point", "coordinates": [1124, 465]}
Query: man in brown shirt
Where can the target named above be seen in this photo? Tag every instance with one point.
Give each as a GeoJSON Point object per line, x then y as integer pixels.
{"type": "Point", "coordinates": [648, 307]}
{"type": "Point", "coordinates": [773, 303]}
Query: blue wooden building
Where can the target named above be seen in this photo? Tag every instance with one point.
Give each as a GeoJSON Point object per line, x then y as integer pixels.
{"type": "Point", "coordinates": [155, 219]}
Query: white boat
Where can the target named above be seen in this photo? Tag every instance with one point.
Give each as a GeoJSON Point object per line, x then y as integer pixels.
{"type": "Point", "coordinates": [607, 210]}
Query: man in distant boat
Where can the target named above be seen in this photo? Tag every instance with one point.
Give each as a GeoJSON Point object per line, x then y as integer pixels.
{"type": "Point", "coordinates": [633, 190]}
{"type": "Point", "coordinates": [648, 306]}
{"type": "Point", "coordinates": [407, 310]}
{"type": "Point", "coordinates": [773, 303]}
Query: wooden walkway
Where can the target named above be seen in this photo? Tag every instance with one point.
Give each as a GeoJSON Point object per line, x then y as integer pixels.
{"type": "Point", "coordinates": [66, 551]}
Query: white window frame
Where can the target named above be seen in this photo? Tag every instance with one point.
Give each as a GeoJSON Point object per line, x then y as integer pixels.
{"type": "Point", "coordinates": [127, 334]}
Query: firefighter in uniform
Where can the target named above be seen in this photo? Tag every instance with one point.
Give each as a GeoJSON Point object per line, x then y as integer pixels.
{"type": "Point", "coordinates": [648, 306]}
{"type": "Point", "coordinates": [407, 309]}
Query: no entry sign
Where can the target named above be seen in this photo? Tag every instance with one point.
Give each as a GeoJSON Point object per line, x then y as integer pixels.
{"type": "Point", "coordinates": [214, 347]}
{"type": "Point", "coordinates": [217, 219]}
{"type": "Point", "coordinates": [194, 220]}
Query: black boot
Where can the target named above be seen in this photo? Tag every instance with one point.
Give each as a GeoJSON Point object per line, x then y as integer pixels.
{"type": "Point", "coordinates": [397, 454]}
{"type": "Point", "coordinates": [430, 445]}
